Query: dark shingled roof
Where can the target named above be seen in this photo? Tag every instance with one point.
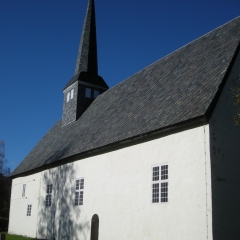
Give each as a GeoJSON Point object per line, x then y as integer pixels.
{"type": "Point", "coordinates": [86, 69]}
{"type": "Point", "coordinates": [176, 88]}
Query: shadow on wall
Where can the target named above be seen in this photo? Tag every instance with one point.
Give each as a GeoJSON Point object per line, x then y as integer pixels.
{"type": "Point", "coordinates": [61, 220]}
{"type": "Point", "coordinates": [225, 164]}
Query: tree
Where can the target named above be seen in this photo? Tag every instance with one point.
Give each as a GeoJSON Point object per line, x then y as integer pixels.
{"type": "Point", "coordinates": [5, 193]}
{"type": "Point", "coordinates": [5, 188]}
{"type": "Point", "coordinates": [4, 169]}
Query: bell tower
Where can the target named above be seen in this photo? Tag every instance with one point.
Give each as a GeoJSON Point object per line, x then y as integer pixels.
{"type": "Point", "coordinates": [86, 84]}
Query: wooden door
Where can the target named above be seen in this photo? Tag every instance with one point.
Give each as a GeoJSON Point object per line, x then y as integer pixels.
{"type": "Point", "coordinates": [94, 227]}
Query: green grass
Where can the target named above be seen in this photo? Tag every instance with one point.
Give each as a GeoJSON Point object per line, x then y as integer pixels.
{"type": "Point", "coordinates": [16, 237]}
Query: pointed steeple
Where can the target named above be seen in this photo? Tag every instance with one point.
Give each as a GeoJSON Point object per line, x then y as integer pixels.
{"type": "Point", "coordinates": [86, 84]}
{"type": "Point", "coordinates": [87, 52]}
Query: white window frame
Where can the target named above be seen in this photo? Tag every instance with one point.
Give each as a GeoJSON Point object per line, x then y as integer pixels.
{"type": "Point", "coordinates": [68, 96]}
{"type": "Point", "coordinates": [29, 210]}
{"type": "Point", "coordinates": [49, 191]}
{"type": "Point", "coordinates": [160, 184]}
{"type": "Point", "coordinates": [72, 93]}
{"type": "Point", "coordinates": [24, 190]}
{"type": "Point", "coordinates": [79, 191]}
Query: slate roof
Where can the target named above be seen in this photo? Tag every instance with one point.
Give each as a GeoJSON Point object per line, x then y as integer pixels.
{"type": "Point", "coordinates": [176, 88]}
{"type": "Point", "coordinates": [87, 52]}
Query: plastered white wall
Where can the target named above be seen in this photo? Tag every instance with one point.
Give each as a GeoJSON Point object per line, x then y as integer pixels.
{"type": "Point", "coordinates": [118, 189]}
{"type": "Point", "coordinates": [19, 222]}
{"type": "Point", "coordinates": [225, 160]}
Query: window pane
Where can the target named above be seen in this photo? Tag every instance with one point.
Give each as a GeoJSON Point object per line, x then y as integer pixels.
{"type": "Point", "coordinates": [72, 92]}
{"type": "Point", "coordinates": [76, 198]}
{"type": "Point", "coordinates": [77, 184]}
{"type": "Point", "coordinates": [88, 93]}
{"type": "Point", "coordinates": [79, 192]}
{"type": "Point", "coordinates": [49, 188]}
{"type": "Point", "coordinates": [95, 93]}
{"type": "Point", "coordinates": [164, 172]}
{"type": "Point", "coordinates": [81, 198]}
{"type": "Point", "coordinates": [164, 192]}
{"type": "Point", "coordinates": [155, 192]}
{"type": "Point", "coordinates": [155, 173]}
{"type": "Point", "coordinates": [23, 190]}
{"type": "Point", "coordinates": [29, 208]}
{"type": "Point", "coordinates": [68, 96]}
{"type": "Point", "coordinates": [82, 184]}
{"type": "Point", "coordinates": [48, 200]}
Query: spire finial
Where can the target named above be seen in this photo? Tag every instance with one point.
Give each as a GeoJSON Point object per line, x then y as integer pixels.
{"type": "Point", "coordinates": [87, 52]}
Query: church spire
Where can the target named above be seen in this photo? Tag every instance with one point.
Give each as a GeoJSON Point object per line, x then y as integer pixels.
{"type": "Point", "coordinates": [86, 84]}
{"type": "Point", "coordinates": [87, 52]}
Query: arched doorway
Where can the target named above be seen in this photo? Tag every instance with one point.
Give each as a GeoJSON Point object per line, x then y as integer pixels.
{"type": "Point", "coordinates": [94, 227]}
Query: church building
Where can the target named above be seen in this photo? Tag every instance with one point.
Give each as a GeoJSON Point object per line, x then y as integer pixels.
{"type": "Point", "coordinates": [155, 157]}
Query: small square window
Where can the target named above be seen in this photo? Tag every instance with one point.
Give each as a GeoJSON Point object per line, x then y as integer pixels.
{"type": "Point", "coordinates": [82, 183]}
{"type": "Point", "coordinates": [68, 96]}
{"type": "Point", "coordinates": [29, 209]}
{"type": "Point", "coordinates": [24, 190]}
{"type": "Point", "coordinates": [160, 183]}
{"type": "Point", "coordinates": [88, 92]}
{"type": "Point", "coordinates": [164, 172]}
{"type": "Point", "coordinates": [72, 92]}
{"type": "Point", "coordinates": [79, 193]}
{"type": "Point", "coordinates": [95, 93]}
{"type": "Point", "coordinates": [48, 201]}
{"type": "Point", "coordinates": [49, 188]}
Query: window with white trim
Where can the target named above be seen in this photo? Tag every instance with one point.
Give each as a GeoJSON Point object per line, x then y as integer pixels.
{"type": "Point", "coordinates": [79, 190]}
{"type": "Point", "coordinates": [49, 195]}
{"type": "Point", "coordinates": [72, 92]}
{"type": "Point", "coordinates": [29, 209]}
{"type": "Point", "coordinates": [24, 190]}
{"type": "Point", "coordinates": [160, 183]}
{"type": "Point", "coordinates": [68, 96]}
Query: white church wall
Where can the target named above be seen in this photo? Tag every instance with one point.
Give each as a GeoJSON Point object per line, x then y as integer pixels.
{"type": "Point", "coordinates": [118, 187]}
{"type": "Point", "coordinates": [225, 159]}
{"type": "Point", "coordinates": [19, 222]}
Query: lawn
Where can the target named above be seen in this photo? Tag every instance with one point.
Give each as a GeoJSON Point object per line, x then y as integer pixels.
{"type": "Point", "coordinates": [15, 237]}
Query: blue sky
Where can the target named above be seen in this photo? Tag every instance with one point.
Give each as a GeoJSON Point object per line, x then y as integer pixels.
{"type": "Point", "coordinates": [38, 47]}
